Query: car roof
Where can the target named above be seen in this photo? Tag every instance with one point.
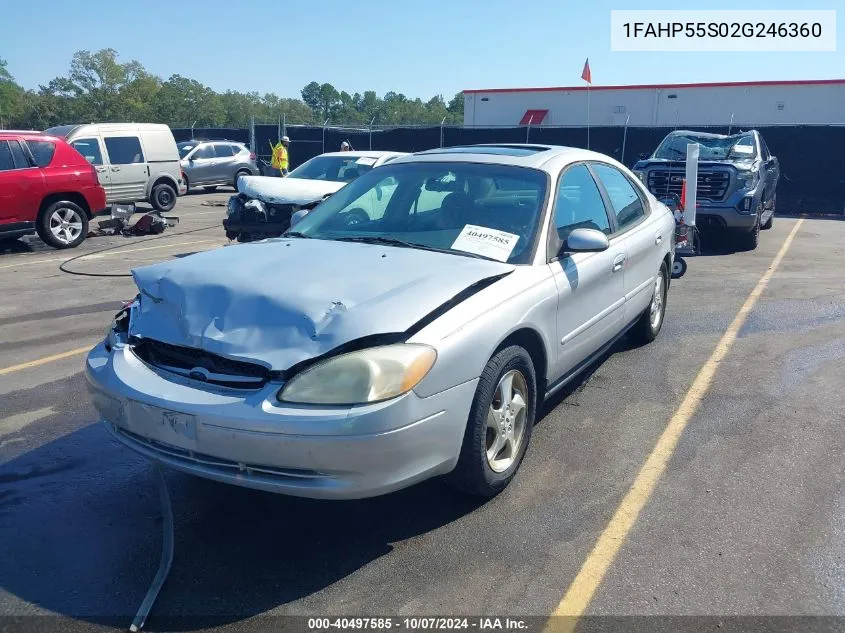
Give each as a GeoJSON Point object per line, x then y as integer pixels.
{"type": "Point", "coordinates": [709, 134]}
{"type": "Point", "coordinates": [364, 153]}
{"type": "Point", "coordinates": [32, 134]}
{"type": "Point", "coordinates": [516, 154]}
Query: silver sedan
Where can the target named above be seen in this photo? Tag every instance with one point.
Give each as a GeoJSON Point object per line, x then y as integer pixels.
{"type": "Point", "coordinates": [347, 360]}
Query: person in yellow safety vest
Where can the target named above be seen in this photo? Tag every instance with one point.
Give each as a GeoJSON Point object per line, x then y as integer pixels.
{"type": "Point", "coordinates": [280, 159]}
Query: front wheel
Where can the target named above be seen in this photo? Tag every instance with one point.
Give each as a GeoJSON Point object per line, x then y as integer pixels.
{"type": "Point", "coordinates": [749, 240]}
{"type": "Point", "coordinates": [499, 426]}
{"type": "Point", "coordinates": [63, 225]}
{"type": "Point", "coordinates": [649, 324]}
{"type": "Point", "coordinates": [163, 198]}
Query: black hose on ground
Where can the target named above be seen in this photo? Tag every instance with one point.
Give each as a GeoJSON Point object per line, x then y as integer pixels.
{"type": "Point", "coordinates": [111, 248]}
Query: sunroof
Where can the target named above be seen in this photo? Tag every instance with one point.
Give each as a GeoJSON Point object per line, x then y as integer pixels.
{"type": "Point", "coordinates": [501, 150]}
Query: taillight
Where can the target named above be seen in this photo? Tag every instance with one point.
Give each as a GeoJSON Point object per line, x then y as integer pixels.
{"type": "Point", "coordinates": [252, 156]}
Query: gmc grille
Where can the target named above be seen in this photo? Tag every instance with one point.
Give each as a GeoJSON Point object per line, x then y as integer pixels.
{"type": "Point", "coordinates": [712, 185]}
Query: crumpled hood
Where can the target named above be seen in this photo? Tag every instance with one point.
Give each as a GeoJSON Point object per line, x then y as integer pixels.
{"type": "Point", "coordinates": [282, 301]}
{"type": "Point", "coordinates": [286, 190]}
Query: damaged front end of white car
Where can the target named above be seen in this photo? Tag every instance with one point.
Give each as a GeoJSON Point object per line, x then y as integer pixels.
{"type": "Point", "coordinates": [264, 205]}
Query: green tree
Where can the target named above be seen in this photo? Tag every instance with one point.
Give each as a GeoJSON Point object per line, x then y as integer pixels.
{"type": "Point", "coordinates": [12, 98]}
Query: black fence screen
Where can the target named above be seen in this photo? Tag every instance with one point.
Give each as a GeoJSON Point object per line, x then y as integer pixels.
{"type": "Point", "coordinates": [812, 173]}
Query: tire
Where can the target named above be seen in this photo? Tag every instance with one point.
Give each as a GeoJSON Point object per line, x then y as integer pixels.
{"type": "Point", "coordinates": [748, 240]}
{"type": "Point", "coordinates": [238, 175]}
{"type": "Point", "coordinates": [771, 219]}
{"type": "Point", "coordinates": [63, 225]}
{"type": "Point", "coordinates": [648, 326]}
{"type": "Point", "coordinates": [679, 268]}
{"type": "Point", "coordinates": [163, 197]}
{"type": "Point", "coordinates": [187, 186]}
{"type": "Point", "coordinates": [479, 472]}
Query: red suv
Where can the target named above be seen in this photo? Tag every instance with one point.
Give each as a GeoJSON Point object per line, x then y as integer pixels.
{"type": "Point", "coordinates": [46, 187]}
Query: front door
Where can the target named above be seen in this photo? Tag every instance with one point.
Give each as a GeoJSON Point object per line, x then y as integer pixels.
{"type": "Point", "coordinates": [92, 149]}
{"type": "Point", "coordinates": [590, 286]}
{"type": "Point", "coordinates": [128, 169]}
{"type": "Point", "coordinates": [201, 163]}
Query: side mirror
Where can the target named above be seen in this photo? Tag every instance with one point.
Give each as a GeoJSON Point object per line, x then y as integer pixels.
{"type": "Point", "coordinates": [296, 217]}
{"type": "Point", "coordinates": [645, 156]}
{"type": "Point", "coordinates": [586, 241]}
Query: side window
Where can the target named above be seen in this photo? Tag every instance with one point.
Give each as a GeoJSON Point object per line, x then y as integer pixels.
{"type": "Point", "coordinates": [373, 202]}
{"type": "Point", "coordinates": [626, 202]}
{"type": "Point", "coordinates": [206, 151]}
{"type": "Point", "coordinates": [90, 150]}
{"type": "Point", "coordinates": [42, 151]}
{"type": "Point", "coordinates": [6, 162]}
{"type": "Point", "coordinates": [223, 151]}
{"type": "Point", "coordinates": [579, 204]}
{"type": "Point", "coordinates": [433, 193]}
{"type": "Point", "coordinates": [764, 149]}
{"type": "Point", "coordinates": [124, 150]}
{"type": "Point", "coordinates": [21, 161]}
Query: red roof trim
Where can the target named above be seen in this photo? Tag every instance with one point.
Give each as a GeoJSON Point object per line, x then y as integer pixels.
{"type": "Point", "coordinates": [724, 84]}
{"type": "Point", "coordinates": [533, 117]}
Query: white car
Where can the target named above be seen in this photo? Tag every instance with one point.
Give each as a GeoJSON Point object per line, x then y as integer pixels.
{"type": "Point", "coordinates": [264, 204]}
{"type": "Point", "coordinates": [350, 360]}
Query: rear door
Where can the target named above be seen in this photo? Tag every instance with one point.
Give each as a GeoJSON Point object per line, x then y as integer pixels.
{"type": "Point", "coordinates": [127, 165]}
{"type": "Point", "coordinates": [224, 162]}
{"type": "Point", "coordinates": [644, 237]}
{"type": "Point", "coordinates": [91, 147]}
{"type": "Point", "coordinates": [590, 285]}
{"type": "Point", "coordinates": [21, 184]}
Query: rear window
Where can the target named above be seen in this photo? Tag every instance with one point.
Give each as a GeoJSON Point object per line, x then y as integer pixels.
{"type": "Point", "coordinates": [42, 151]}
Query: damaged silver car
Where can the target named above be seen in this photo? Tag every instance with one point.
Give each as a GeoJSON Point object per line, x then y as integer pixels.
{"type": "Point", "coordinates": [346, 360]}
{"type": "Point", "coordinates": [264, 205]}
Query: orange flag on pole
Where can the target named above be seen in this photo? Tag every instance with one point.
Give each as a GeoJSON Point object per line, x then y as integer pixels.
{"type": "Point", "coordinates": [585, 74]}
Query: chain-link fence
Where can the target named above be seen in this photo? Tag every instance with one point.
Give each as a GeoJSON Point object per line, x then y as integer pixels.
{"type": "Point", "coordinates": [812, 180]}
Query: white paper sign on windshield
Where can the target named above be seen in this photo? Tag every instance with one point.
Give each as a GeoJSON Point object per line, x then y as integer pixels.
{"type": "Point", "coordinates": [366, 160]}
{"type": "Point", "coordinates": [486, 242]}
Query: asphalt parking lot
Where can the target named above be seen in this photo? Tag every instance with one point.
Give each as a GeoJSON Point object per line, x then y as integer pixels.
{"type": "Point", "coordinates": [745, 520]}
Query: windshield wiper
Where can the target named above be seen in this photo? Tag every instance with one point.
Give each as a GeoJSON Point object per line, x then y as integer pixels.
{"type": "Point", "coordinates": [296, 234]}
{"type": "Point", "coordinates": [392, 241]}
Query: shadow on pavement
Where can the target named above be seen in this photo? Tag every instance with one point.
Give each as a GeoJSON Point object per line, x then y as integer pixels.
{"type": "Point", "coordinates": [80, 522]}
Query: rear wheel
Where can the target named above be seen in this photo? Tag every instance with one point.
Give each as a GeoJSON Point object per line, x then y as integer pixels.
{"type": "Point", "coordinates": [649, 324]}
{"type": "Point", "coordinates": [499, 426]}
{"type": "Point", "coordinates": [243, 172]}
{"type": "Point", "coordinates": [63, 225]}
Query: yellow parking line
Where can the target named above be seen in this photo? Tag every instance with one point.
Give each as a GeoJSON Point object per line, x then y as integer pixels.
{"type": "Point", "coordinates": [95, 255]}
{"type": "Point", "coordinates": [45, 360]}
{"type": "Point", "coordinates": [592, 572]}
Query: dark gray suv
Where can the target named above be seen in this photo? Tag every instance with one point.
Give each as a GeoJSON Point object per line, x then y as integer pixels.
{"type": "Point", "coordinates": [210, 164]}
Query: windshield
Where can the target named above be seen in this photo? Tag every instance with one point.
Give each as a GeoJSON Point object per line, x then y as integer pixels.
{"type": "Point", "coordinates": [334, 168]}
{"type": "Point", "coordinates": [489, 211]}
{"type": "Point", "coordinates": [674, 147]}
{"type": "Point", "coordinates": [184, 148]}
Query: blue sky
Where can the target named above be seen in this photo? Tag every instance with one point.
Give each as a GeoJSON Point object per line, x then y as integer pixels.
{"type": "Point", "coordinates": [417, 47]}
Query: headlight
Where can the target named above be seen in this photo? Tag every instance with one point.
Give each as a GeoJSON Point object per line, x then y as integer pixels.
{"type": "Point", "coordinates": [640, 175]}
{"type": "Point", "coordinates": [369, 375]}
{"type": "Point", "coordinates": [748, 179]}
{"type": "Point", "coordinates": [117, 332]}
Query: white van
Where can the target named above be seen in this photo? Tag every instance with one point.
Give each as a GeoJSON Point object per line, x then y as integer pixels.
{"type": "Point", "coordinates": [136, 162]}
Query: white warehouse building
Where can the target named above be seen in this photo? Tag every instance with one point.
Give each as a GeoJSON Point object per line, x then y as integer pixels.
{"type": "Point", "coordinates": [760, 103]}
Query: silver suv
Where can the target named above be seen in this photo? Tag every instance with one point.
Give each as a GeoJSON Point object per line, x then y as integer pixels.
{"type": "Point", "coordinates": [209, 164]}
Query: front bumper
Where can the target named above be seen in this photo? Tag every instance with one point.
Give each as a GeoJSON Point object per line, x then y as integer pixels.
{"type": "Point", "coordinates": [249, 439]}
{"type": "Point", "coordinates": [726, 217]}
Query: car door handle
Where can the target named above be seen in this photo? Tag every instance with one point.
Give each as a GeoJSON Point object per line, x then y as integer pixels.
{"type": "Point", "coordinates": [618, 263]}
{"type": "Point", "coordinates": [115, 168]}
{"type": "Point", "coordinates": [102, 170]}
{"type": "Point", "coordinates": [657, 239]}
